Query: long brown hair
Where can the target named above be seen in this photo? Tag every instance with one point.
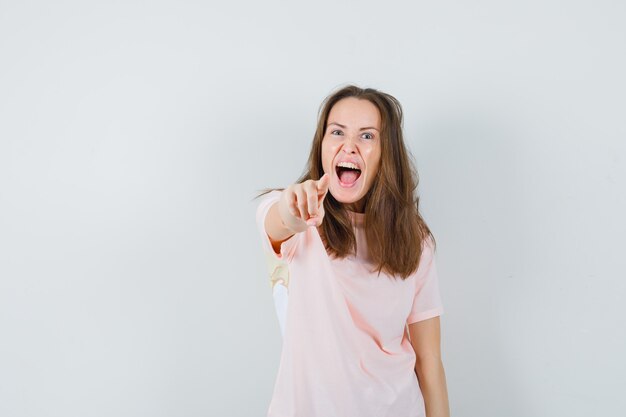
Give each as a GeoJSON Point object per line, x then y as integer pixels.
{"type": "Point", "coordinates": [394, 228]}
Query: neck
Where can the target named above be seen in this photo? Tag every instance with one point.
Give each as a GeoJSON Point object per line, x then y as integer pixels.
{"type": "Point", "coordinates": [355, 207]}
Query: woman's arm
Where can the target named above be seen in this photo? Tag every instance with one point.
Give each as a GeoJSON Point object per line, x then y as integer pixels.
{"type": "Point", "coordinates": [301, 205]}
{"type": "Point", "coordinates": [425, 338]}
{"type": "Point", "coordinates": [276, 229]}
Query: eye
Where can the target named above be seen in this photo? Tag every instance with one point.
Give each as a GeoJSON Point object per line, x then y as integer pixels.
{"type": "Point", "coordinates": [333, 132]}
{"type": "Point", "coordinates": [369, 135]}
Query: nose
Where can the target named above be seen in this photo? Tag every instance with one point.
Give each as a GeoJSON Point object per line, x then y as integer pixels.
{"type": "Point", "coordinates": [349, 144]}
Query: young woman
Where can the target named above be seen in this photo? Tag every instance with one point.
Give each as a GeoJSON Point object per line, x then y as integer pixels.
{"type": "Point", "coordinates": [362, 331]}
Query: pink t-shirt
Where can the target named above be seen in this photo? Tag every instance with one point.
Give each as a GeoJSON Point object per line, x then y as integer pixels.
{"type": "Point", "coordinates": [346, 350]}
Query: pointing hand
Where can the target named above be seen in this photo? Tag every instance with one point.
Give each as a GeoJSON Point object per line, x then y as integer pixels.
{"type": "Point", "coordinates": [302, 205]}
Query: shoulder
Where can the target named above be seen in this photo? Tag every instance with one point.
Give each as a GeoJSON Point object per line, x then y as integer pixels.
{"type": "Point", "coordinates": [428, 245]}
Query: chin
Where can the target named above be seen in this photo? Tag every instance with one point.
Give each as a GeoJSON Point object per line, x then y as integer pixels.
{"type": "Point", "coordinates": [344, 197]}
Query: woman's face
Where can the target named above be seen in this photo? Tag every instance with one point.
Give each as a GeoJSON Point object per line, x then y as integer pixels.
{"type": "Point", "coordinates": [352, 135]}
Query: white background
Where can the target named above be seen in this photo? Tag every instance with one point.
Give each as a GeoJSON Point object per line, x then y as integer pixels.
{"type": "Point", "coordinates": [134, 134]}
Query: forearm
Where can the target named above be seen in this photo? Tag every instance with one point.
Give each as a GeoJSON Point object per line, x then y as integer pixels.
{"type": "Point", "coordinates": [276, 229]}
{"type": "Point", "coordinates": [432, 380]}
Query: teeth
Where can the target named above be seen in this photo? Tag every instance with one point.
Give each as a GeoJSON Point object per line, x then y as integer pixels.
{"type": "Point", "coordinates": [348, 165]}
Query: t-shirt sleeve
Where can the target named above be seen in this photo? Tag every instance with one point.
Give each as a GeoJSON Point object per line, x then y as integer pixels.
{"type": "Point", "coordinates": [287, 247]}
{"type": "Point", "coordinates": [427, 301]}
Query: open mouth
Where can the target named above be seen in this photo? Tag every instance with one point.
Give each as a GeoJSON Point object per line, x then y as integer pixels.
{"type": "Point", "coordinates": [347, 176]}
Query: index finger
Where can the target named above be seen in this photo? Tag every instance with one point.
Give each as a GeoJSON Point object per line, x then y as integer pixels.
{"type": "Point", "coordinates": [322, 184]}
{"type": "Point", "coordinates": [322, 188]}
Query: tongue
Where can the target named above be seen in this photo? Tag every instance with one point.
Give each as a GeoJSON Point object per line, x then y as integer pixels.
{"type": "Point", "coordinates": [348, 176]}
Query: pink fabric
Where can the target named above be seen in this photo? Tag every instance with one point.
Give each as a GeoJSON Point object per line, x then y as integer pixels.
{"type": "Point", "coordinates": [346, 351]}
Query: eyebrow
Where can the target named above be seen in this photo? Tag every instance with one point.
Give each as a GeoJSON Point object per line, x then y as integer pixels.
{"type": "Point", "coordinates": [363, 128]}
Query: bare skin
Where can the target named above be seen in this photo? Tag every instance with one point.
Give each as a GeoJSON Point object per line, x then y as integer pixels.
{"type": "Point", "coordinates": [352, 133]}
{"type": "Point", "coordinates": [425, 338]}
{"type": "Point", "coordinates": [300, 206]}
